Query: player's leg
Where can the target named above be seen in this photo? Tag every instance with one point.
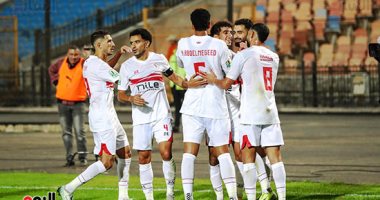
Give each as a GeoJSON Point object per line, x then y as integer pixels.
{"type": "Point", "coordinates": [238, 169]}
{"type": "Point", "coordinates": [272, 141]}
{"type": "Point", "coordinates": [66, 122]}
{"type": "Point", "coordinates": [78, 121]}
{"type": "Point", "coordinates": [123, 153]}
{"type": "Point", "coordinates": [142, 137]}
{"type": "Point", "coordinates": [218, 131]}
{"type": "Point", "coordinates": [192, 136]}
{"type": "Point", "coordinates": [164, 137]}
{"type": "Point", "coordinates": [105, 147]}
{"type": "Point", "coordinates": [215, 177]}
{"type": "Point", "coordinates": [146, 173]}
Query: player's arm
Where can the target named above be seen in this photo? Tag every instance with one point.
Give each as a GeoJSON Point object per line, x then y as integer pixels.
{"type": "Point", "coordinates": [53, 71]}
{"type": "Point", "coordinates": [113, 61]}
{"type": "Point", "coordinates": [221, 83]}
{"type": "Point", "coordinates": [183, 83]}
{"type": "Point", "coordinates": [124, 98]}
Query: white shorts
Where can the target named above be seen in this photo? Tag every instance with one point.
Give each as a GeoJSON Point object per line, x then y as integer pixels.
{"type": "Point", "coordinates": [218, 130]}
{"type": "Point", "coordinates": [260, 135]}
{"type": "Point", "coordinates": [110, 140]}
{"type": "Point", "coordinates": [143, 133]}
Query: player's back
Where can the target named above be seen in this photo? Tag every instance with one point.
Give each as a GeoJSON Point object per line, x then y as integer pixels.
{"type": "Point", "coordinates": [259, 74]}
{"type": "Point", "coordinates": [100, 78]}
{"type": "Point", "coordinates": [203, 54]}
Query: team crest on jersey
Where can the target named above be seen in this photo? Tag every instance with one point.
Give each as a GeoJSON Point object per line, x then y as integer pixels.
{"type": "Point", "coordinates": [114, 73]}
{"type": "Point", "coordinates": [228, 63]}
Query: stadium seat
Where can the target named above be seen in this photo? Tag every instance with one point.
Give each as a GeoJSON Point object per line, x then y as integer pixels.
{"type": "Point", "coordinates": [350, 11]}
{"type": "Point", "coordinates": [301, 38]}
{"type": "Point", "coordinates": [246, 12]}
{"type": "Point", "coordinates": [325, 55]}
{"type": "Point", "coordinates": [365, 8]}
{"type": "Point", "coordinates": [308, 59]}
{"type": "Point", "coordinates": [285, 43]}
{"type": "Point", "coordinates": [333, 23]}
{"type": "Point", "coordinates": [271, 44]}
{"type": "Point", "coordinates": [260, 13]}
{"type": "Point", "coordinates": [375, 30]}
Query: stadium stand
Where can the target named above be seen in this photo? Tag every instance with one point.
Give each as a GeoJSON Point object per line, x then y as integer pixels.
{"type": "Point", "coordinates": [30, 16]}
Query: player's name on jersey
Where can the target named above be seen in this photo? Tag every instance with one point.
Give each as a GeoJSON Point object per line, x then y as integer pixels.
{"type": "Point", "coordinates": [265, 58]}
{"type": "Point", "coordinates": [203, 52]}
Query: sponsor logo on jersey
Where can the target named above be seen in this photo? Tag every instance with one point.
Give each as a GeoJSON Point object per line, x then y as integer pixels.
{"type": "Point", "coordinates": [114, 73]}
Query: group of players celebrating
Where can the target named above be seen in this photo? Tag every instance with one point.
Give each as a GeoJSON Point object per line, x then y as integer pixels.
{"type": "Point", "coordinates": [229, 100]}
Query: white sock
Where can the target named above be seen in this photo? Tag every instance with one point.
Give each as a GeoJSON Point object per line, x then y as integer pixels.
{"type": "Point", "coordinates": [279, 177]}
{"type": "Point", "coordinates": [216, 181]}
{"type": "Point", "coordinates": [146, 180]}
{"type": "Point", "coordinates": [250, 180]}
{"type": "Point", "coordinates": [88, 174]}
{"type": "Point", "coordinates": [187, 174]}
{"type": "Point", "coordinates": [123, 174]}
{"type": "Point", "coordinates": [227, 172]}
{"type": "Point", "coordinates": [168, 168]}
{"type": "Point", "coordinates": [261, 174]}
{"type": "Point", "coordinates": [239, 180]}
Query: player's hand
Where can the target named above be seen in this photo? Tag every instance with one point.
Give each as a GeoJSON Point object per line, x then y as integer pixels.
{"type": "Point", "coordinates": [125, 49]}
{"type": "Point", "coordinates": [196, 82]}
{"type": "Point", "coordinates": [137, 100]}
{"type": "Point", "coordinates": [243, 45]}
{"type": "Point", "coordinates": [210, 77]}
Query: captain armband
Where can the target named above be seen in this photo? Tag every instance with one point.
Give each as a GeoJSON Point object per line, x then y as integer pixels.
{"type": "Point", "coordinates": [168, 72]}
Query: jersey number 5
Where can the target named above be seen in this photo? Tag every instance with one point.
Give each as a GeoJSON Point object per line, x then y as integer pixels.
{"type": "Point", "coordinates": [197, 65]}
{"type": "Point", "coordinates": [268, 83]}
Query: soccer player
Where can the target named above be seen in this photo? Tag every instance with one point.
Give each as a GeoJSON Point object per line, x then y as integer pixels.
{"type": "Point", "coordinates": [109, 135]}
{"type": "Point", "coordinates": [204, 108]}
{"type": "Point", "coordinates": [223, 31]}
{"type": "Point", "coordinates": [241, 28]}
{"type": "Point", "coordinates": [151, 115]}
{"type": "Point", "coordinates": [259, 121]}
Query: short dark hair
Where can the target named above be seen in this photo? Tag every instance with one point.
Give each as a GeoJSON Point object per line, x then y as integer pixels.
{"type": "Point", "coordinates": [262, 31]}
{"type": "Point", "coordinates": [216, 28]}
{"type": "Point", "coordinates": [200, 18]}
{"type": "Point", "coordinates": [145, 34]}
{"type": "Point", "coordinates": [73, 46]}
{"type": "Point", "coordinates": [98, 34]}
{"type": "Point", "coordinates": [244, 21]}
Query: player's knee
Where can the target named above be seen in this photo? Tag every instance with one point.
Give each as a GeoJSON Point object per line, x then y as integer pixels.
{"type": "Point", "coordinates": [213, 160]}
{"type": "Point", "coordinates": [108, 163]}
{"type": "Point", "coordinates": [144, 157]}
{"type": "Point", "coordinates": [166, 155]}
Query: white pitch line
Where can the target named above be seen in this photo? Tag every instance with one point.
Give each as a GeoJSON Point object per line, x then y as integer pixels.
{"type": "Point", "coordinates": [164, 189]}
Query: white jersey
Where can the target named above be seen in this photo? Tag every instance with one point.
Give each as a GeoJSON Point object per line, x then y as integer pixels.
{"type": "Point", "coordinates": [257, 66]}
{"type": "Point", "coordinates": [202, 54]}
{"type": "Point", "coordinates": [100, 79]}
{"type": "Point", "coordinates": [145, 78]}
{"type": "Point", "coordinates": [233, 93]}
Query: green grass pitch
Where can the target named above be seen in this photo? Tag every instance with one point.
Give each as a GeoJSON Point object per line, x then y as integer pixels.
{"type": "Point", "coordinates": [17, 185]}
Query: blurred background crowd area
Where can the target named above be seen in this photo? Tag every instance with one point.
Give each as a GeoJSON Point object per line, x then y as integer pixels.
{"type": "Point", "coordinates": [323, 44]}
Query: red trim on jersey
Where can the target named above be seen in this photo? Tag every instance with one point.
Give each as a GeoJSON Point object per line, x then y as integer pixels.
{"type": "Point", "coordinates": [245, 142]}
{"type": "Point", "coordinates": [230, 139]}
{"type": "Point", "coordinates": [150, 77]}
{"type": "Point", "coordinates": [171, 138]}
{"type": "Point", "coordinates": [104, 148]}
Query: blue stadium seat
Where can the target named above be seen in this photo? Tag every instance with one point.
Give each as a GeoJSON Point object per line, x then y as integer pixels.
{"type": "Point", "coordinates": [333, 23]}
